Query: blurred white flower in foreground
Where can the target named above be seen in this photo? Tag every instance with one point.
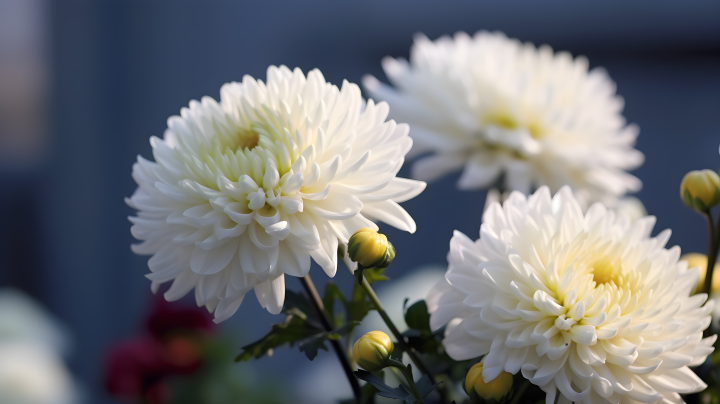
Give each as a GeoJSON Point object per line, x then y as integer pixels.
{"type": "Point", "coordinates": [585, 303]}
{"type": "Point", "coordinates": [246, 190]}
{"type": "Point", "coordinates": [493, 105]}
{"type": "Point", "coordinates": [31, 369]}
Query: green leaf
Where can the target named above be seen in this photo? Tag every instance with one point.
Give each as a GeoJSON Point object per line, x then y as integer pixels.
{"type": "Point", "coordinates": [356, 311]}
{"type": "Point", "coordinates": [371, 274]}
{"type": "Point", "coordinates": [367, 393]}
{"type": "Point", "coordinates": [375, 274]}
{"type": "Point", "coordinates": [397, 352]}
{"type": "Point", "coordinates": [331, 293]}
{"type": "Point", "coordinates": [424, 386]}
{"type": "Point", "coordinates": [399, 393]}
{"type": "Point", "coordinates": [311, 345]}
{"type": "Point", "coordinates": [294, 329]}
{"type": "Point", "coordinates": [298, 304]}
{"type": "Point", "coordinates": [417, 317]}
{"type": "Point", "coordinates": [316, 342]}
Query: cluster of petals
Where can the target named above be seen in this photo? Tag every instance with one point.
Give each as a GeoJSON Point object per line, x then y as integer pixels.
{"type": "Point", "coordinates": [248, 189]}
{"type": "Point", "coordinates": [490, 106]}
{"type": "Point", "coordinates": [587, 305]}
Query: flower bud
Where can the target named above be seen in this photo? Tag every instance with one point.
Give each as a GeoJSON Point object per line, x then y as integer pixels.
{"type": "Point", "coordinates": [372, 351]}
{"type": "Point", "coordinates": [700, 189]}
{"type": "Point", "coordinates": [370, 248]}
{"type": "Point", "coordinates": [701, 261]}
{"type": "Point", "coordinates": [496, 390]}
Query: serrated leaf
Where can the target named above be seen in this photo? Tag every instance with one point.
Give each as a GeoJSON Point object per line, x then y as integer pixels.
{"type": "Point", "coordinates": [311, 345]}
{"type": "Point", "coordinates": [424, 385]}
{"type": "Point", "coordinates": [367, 395]}
{"type": "Point", "coordinates": [298, 305]}
{"type": "Point", "coordinates": [384, 390]}
{"type": "Point", "coordinates": [294, 329]}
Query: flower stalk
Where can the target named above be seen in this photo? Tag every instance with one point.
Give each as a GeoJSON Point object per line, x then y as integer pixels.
{"type": "Point", "coordinates": [317, 302]}
{"type": "Point", "coordinates": [400, 339]}
{"type": "Point", "coordinates": [713, 241]}
{"type": "Point", "coordinates": [521, 392]}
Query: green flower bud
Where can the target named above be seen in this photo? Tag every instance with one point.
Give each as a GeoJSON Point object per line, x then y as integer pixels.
{"type": "Point", "coordinates": [700, 189]}
{"type": "Point", "coordinates": [370, 249]}
{"type": "Point", "coordinates": [496, 390]}
{"type": "Point", "coordinates": [372, 351]}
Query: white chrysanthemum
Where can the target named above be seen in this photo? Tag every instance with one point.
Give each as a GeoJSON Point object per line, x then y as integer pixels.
{"type": "Point", "coordinates": [246, 190]}
{"type": "Point", "coordinates": [494, 105]}
{"type": "Point", "coordinates": [587, 304]}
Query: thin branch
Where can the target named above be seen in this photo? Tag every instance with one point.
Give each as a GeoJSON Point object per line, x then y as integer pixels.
{"type": "Point", "coordinates": [712, 251]}
{"type": "Point", "coordinates": [325, 320]}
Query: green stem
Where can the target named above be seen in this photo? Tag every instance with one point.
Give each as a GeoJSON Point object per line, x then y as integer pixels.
{"type": "Point", "coordinates": [520, 392]}
{"type": "Point", "coordinates": [557, 396]}
{"type": "Point", "coordinates": [401, 340]}
{"type": "Point", "coordinates": [348, 346]}
{"type": "Point", "coordinates": [407, 372]}
{"type": "Point", "coordinates": [327, 324]}
{"type": "Point", "coordinates": [712, 251]}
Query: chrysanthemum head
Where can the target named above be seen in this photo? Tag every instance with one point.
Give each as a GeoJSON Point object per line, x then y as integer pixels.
{"type": "Point", "coordinates": [587, 304]}
{"type": "Point", "coordinates": [248, 189]}
{"type": "Point", "coordinates": [493, 106]}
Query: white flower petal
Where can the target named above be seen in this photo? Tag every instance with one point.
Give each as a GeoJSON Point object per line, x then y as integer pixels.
{"type": "Point", "coordinates": [391, 213]}
{"type": "Point", "coordinates": [271, 293]}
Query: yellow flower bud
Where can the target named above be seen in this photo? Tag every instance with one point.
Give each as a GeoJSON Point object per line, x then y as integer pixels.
{"type": "Point", "coordinates": [701, 260]}
{"type": "Point", "coordinates": [372, 351]}
{"type": "Point", "coordinates": [370, 249]}
{"type": "Point", "coordinates": [700, 189]}
{"type": "Point", "coordinates": [496, 389]}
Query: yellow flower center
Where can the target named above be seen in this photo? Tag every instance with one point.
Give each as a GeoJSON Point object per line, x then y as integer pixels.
{"type": "Point", "coordinates": [501, 120]}
{"type": "Point", "coordinates": [605, 271]}
{"type": "Point", "coordinates": [242, 146]}
{"type": "Point", "coordinates": [504, 120]}
{"type": "Point", "coordinates": [246, 138]}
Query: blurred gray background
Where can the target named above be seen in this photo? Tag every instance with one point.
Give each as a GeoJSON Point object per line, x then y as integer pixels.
{"type": "Point", "coordinates": [84, 84]}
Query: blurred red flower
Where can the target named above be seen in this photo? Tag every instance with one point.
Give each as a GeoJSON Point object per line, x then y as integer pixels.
{"type": "Point", "coordinates": [136, 369]}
